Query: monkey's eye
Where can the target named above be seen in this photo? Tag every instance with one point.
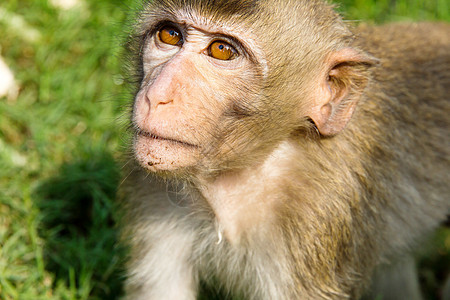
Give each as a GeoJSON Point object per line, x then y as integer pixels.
{"type": "Point", "coordinates": [221, 50]}
{"type": "Point", "coordinates": [170, 35]}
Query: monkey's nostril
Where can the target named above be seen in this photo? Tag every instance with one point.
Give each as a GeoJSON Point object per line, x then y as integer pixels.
{"type": "Point", "coordinates": [165, 101]}
{"type": "Point", "coordinates": [161, 101]}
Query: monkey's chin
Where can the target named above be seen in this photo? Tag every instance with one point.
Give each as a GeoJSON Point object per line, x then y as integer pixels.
{"type": "Point", "coordinates": [160, 154]}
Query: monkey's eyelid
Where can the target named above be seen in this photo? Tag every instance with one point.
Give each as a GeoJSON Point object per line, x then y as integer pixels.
{"type": "Point", "coordinates": [154, 30]}
{"type": "Point", "coordinates": [232, 41]}
{"type": "Point", "coordinates": [241, 48]}
{"type": "Point", "coordinates": [224, 47]}
{"type": "Point", "coordinates": [170, 35]}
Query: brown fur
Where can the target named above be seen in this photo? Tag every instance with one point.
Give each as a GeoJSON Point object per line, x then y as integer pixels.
{"type": "Point", "coordinates": [282, 202]}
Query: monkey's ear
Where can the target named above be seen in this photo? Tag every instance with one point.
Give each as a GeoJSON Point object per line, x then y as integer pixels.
{"type": "Point", "coordinates": [342, 84]}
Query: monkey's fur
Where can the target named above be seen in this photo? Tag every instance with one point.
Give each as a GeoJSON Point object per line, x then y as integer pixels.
{"type": "Point", "coordinates": [278, 205]}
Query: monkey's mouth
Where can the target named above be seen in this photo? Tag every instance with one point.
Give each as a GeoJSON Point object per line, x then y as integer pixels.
{"type": "Point", "coordinates": [159, 152]}
{"type": "Point", "coordinates": [162, 138]}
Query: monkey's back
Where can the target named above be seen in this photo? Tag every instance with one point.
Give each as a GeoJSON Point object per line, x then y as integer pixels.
{"type": "Point", "coordinates": [414, 70]}
{"type": "Point", "coordinates": [406, 107]}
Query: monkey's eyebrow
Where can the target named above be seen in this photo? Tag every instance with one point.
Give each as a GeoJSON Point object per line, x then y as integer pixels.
{"type": "Point", "coordinates": [227, 36]}
{"type": "Point", "coordinates": [159, 24]}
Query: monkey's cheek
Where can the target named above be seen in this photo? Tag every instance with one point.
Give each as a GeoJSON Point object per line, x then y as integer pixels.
{"type": "Point", "coordinates": [163, 155]}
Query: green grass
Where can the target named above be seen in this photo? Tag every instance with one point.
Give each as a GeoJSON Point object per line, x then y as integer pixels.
{"type": "Point", "coordinates": [60, 141]}
{"type": "Point", "coordinates": [395, 10]}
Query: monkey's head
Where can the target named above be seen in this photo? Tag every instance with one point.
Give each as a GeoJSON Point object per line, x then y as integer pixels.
{"type": "Point", "coordinates": [222, 82]}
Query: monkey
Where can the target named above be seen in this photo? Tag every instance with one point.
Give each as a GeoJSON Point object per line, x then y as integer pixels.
{"type": "Point", "coordinates": [279, 152]}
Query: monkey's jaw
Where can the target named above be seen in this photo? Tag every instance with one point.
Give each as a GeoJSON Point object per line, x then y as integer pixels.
{"type": "Point", "coordinates": [157, 153]}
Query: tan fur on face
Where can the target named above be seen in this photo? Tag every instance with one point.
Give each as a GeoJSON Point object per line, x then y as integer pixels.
{"type": "Point", "coordinates": [176, 113]}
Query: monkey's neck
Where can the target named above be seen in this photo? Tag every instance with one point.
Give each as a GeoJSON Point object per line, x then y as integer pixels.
{"type": "Point", "coordinates": [244, 202]}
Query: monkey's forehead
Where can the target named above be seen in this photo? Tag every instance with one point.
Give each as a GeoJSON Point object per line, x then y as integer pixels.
{"type": "Point", "coordinates": [217, 9]}
{"type": "Point", "coordinates": [213, 16]}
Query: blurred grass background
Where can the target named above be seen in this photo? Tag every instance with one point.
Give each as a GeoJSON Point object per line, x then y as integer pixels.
{"type": "Point", "coordinates": [61, 135]}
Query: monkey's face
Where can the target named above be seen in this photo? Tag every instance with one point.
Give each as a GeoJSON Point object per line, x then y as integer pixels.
{"type": "Point", "coordinates": [198, 82]}
{"type": "Point", "coordinates": [220, 91]}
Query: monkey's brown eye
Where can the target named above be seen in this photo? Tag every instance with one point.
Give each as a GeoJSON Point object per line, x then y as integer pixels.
{"type": "Point", "coordinates": [170, 35]}
{"type": "Point", "coordinates": [222, 50]}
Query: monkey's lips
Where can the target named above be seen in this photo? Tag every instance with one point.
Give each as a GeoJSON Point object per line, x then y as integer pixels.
{"type": "Point", "coordinates": [158, 152]}
{"type": "Point", "coordinates": [162, 138]}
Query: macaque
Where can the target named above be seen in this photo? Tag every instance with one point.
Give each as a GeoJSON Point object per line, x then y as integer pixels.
{"type": "Point", "coordinates": [281, 154]}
